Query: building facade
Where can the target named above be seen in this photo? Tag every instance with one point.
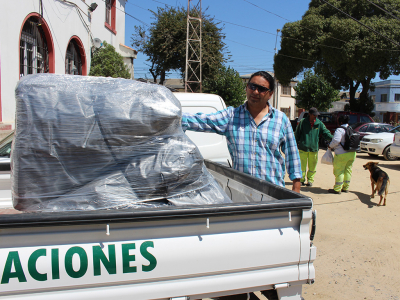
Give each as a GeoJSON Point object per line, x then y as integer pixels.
{"type": "Point", "coordinates": [54, 36]}
{"type": "Point", "coordinates": [387, 100]}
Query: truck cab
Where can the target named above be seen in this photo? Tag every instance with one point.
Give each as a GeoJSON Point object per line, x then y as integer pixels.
{"type": "Point", "coordinates": [211, 145]}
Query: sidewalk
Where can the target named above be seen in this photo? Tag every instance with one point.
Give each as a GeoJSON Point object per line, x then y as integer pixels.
{"type": "Point", "coordinates": [358, 242]}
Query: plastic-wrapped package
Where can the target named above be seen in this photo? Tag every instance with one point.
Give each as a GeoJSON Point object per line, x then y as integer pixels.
{"type": "Point", "coordinates": [85, 143]}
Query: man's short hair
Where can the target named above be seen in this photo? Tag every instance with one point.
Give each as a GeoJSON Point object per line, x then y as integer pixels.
{"type": "Point", "coordinates": [267, 77]}
{"type": "Point", "coordinates": [344, 119]}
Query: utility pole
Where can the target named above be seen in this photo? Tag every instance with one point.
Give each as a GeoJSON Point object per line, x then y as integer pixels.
{"type": "Point", "coordinates": [276, 83]}
{"type": "Point", "coordinates": [193, 73]}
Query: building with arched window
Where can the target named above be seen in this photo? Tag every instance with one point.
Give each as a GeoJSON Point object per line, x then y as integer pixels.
{"type": "Point", "coordinates": [54, 36]}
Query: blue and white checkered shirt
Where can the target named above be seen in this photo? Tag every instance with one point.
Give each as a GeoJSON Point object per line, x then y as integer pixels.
{"type": "Point", "coordinates": [255, 150]}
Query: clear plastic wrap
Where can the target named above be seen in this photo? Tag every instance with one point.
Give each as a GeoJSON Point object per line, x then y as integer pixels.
{"type": "Point", "coordinates": [86, 143]}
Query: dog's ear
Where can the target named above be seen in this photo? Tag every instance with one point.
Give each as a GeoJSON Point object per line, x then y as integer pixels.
{"type": "Point", "coordinates": [375, 163]}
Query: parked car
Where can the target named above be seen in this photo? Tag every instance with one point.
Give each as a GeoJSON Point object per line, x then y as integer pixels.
{"type": "Point", "coordinates": [5, 151]}
{"type": "Point", "coordinates": [379, 144]}
{"type": "Point", "coordinates": [355, 117]}
{"type": "Point", "coordinates": [395, 147]}
{"type": "Point", "coordinates": [370, 128]}
{"type": "Point", "coordinates": [331, 119]}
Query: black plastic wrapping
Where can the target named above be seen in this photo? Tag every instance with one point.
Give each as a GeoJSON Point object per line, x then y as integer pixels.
{"type": "Point", "coordinates": [86, 143]}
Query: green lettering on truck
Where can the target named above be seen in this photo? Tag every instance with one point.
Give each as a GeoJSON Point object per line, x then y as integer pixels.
{"type": "Point", "coordinates": [110, 264]}
{"type": "Point", "coordinates": [83, 262]}
{"type": "Point", "coordinates": [13, 259]}
{"type": "Point", "coordinates": [55, 264]}
{"type": "Point", "coordinates": [32, 265]}
{"type": "Point", "coordinates": [147, 255]}
{"type": "Point", "coordinates": [127, 258]}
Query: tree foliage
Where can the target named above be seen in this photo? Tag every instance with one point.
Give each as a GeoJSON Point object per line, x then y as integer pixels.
{"type": "Point", "coordinates": [366, 105]}
{"type": "Point", "coordinates": [227, 84]}
{"type": "Point", "coordinates": [108, 63]}
{"type": "Point", "coordinates": [315, 91]}
{"type": "Point", "coordinates": [346, 53]}
{"type": "Point", "coordinates": [165, 43]}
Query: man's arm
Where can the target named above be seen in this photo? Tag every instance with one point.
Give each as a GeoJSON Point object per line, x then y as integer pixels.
{"type": "Point", "coordinates": [297, 132]}
{"type": "Point", "coordinates": [296, 185]}
{"type": "Point", "coordinates": [215, 122]}
{"type": "Point", "coordinates": [292, 157]}
{"type": "Point", "coordinates": [326, 133]}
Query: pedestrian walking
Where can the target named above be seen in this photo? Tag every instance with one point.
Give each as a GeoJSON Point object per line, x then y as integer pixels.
{"type": "Point", "coordinates": [308, 133]}
{"type": "Point", "coordinates": [343, 160]}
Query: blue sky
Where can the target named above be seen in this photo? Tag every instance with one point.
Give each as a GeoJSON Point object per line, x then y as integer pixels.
{"type": "Point", "coordinates": [250, 27]}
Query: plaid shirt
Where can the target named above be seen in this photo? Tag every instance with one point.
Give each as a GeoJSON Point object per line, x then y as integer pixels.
{"type": "Point", "coordinates": [255, 150]}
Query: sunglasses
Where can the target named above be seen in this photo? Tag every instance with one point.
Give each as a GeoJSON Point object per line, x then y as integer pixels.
{"type": "Point", "coordinates": [260, 88]}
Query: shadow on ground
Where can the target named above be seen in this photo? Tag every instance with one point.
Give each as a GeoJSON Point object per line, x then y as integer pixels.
{"type": "Point", "coordinates": [364, 198]}
{"type": "Point", "coordinates": [389, 166]}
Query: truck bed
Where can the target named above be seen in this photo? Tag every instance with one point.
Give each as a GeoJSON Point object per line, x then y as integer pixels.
{"type": "Point", "coordinates": [259, 242]}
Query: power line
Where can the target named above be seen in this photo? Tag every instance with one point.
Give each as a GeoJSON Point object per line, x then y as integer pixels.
{"type": "Point", "coordinates": [384, 10]}
{"type": "Point", "coordinates": [283, 37]}
{"type": "Point", "coordinates": [354, 19]}
{"type": "Point", "coordinates": [291, 21]}
{"type": "Point", "coordinates": [389, 6]}
{"type": "Point", "coordinates": [269, 51]}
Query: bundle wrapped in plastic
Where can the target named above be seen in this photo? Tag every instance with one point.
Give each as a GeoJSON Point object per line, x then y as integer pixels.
{"type": "Point", "coordinates": [85, 143]}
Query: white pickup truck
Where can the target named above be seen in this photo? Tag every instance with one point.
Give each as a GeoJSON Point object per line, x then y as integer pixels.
{"type": "Point", "coordinates": [261, 241]}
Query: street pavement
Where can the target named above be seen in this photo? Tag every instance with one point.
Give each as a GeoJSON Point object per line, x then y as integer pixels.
{"type": "Point", "coordinates": [357, 242]}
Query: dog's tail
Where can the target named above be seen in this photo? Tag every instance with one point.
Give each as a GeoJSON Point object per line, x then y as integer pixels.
{"type": "Point", "coordinates": [385, 181]}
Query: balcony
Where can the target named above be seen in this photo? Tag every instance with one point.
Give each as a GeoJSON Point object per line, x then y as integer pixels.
{"type": "Point", "coordinates": [387, 106]}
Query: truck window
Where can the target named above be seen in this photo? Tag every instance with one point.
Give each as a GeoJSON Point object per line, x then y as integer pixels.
{"type": "Point", "coordinates": [365, 119]}
{"type": "Point", "coordinates": [353, 119]}
{"type": "Point", "coordinates": [325, 118]}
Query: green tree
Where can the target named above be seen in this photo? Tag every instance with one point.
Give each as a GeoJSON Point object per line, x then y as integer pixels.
{"type": "Point", "coordinates": [347, 54]}
{"type": "Point", "coordinates": [367, 106]}
{"type": "Point", "coordinates": [165, 43]}
{"type": "Point", "coordinates": [227, 84]}
{"type": "Point", "coordinates": [315, 91]}
{"type": "Point", "coordinates": [108, 63]}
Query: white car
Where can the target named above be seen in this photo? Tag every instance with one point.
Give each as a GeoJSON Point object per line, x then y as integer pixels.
{"type": "Point", "coordinates": [379, 144]}
{"type": "Point", "coordinates": [395, 147]}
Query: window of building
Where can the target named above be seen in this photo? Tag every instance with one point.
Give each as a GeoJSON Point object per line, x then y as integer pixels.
{"type": "Point", "coordinates": [73, 60]}
{"type": "Point", "coordinates": [396, 97]}
{"type": "Point", "coordinates": [286, 90]}
{"type": "Point", "coordinates": [34, 55]}
{"type": "Point", "coordinates": [110, 15]}
{"type": "Point", "coordinates": [286, 111]}
{"type": "Point", "coordinates": [384, 98]}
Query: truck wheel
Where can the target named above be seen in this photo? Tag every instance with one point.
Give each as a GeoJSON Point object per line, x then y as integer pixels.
{"type": "Point", "coordinates": [373, 155]}
{"type": "Point", "coordinates": [387, 155]}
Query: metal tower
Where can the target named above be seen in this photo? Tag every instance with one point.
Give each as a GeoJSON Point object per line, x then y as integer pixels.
{"type": "Point", "coordinates": [193, 48]}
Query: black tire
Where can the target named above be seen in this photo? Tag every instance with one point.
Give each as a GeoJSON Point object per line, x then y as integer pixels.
{"type": "Point", "coordinates": [387, 155]}
{"type": "Point", "coordinates": [373, 155]}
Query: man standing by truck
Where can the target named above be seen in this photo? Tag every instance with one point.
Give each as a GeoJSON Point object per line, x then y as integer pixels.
{"type": "Point", "coordinates": [308, 132]}
{"type": "Point", "coordinates": [257, 134]}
